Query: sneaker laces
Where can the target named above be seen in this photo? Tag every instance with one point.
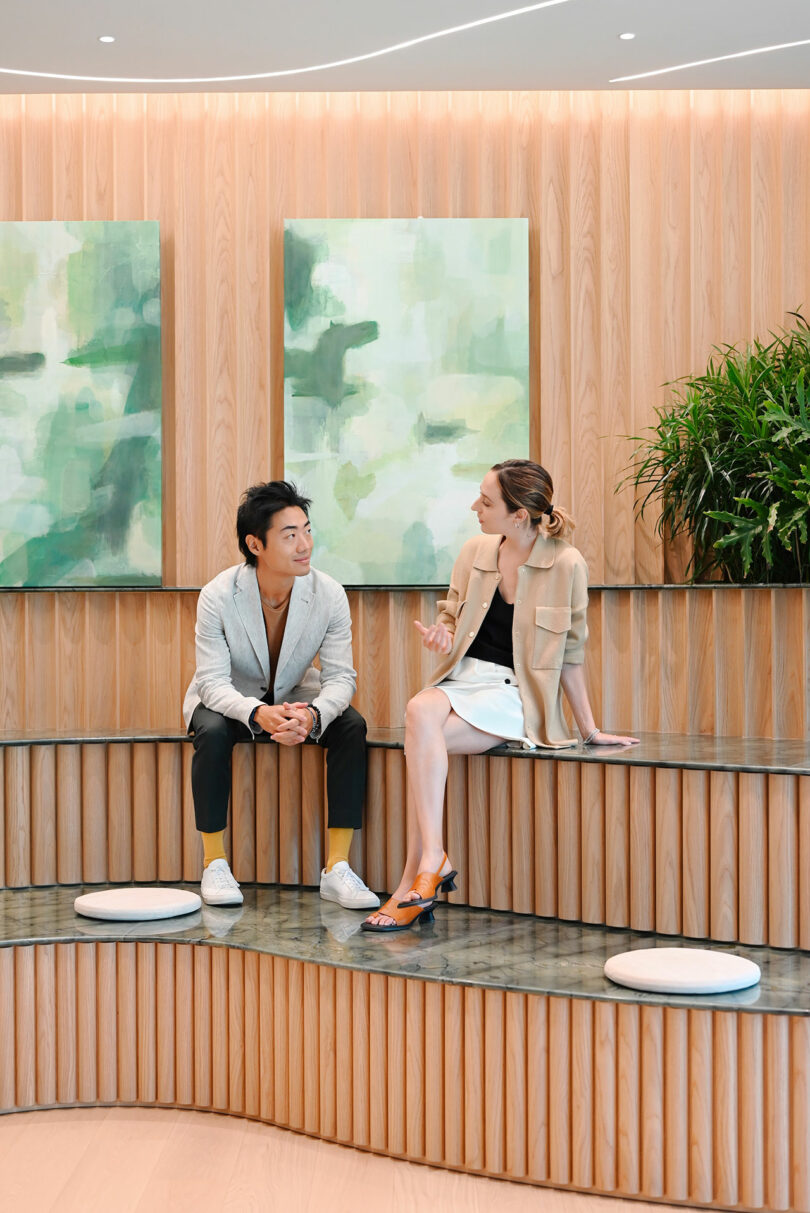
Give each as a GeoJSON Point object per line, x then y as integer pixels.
{"type": "Point", "coordinates": [222, 878]}
{"type": "Point", "coordinates": [350, 878]}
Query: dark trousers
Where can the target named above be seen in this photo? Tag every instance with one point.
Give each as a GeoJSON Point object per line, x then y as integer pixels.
{"type": "Point", "coordinates": [215, 736]}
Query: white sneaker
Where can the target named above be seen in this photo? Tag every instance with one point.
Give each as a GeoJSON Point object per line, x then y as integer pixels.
{"type": "Point", "coordinates": [218, 887]}
{"type": "Point", "coordinates": [346, 888]}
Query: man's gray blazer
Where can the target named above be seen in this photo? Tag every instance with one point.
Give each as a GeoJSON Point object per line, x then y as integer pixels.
{"type": "Point", "coordinates": [233, 662]}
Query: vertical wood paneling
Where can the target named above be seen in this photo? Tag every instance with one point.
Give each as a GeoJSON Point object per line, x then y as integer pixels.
{"type": "Point", "coordinates": [17, 803]}
{"type": "Point", "coordinates": [753, 851]}
{"type": "Point", "coordinates": [474, 1116]}
{"type": "Point", "coordinates": [783, 861]}
{"type": "Point", "coordinates": [800, 1112]}
{"type": "Point", "coordinates": [133, 656]}
{"type": "Point", "coordinates": [127, 1020]}
{"type": "Point", "coordinates": [726, 1146]}
{"type": "Point", "coordinates": [605, 1106]}
{"type": "Point", "coordinates": [25, 1021]}
{"type": "Point", "coordinates": [642, 849]}
{"type": "Point", "coordinates": [752, 1111]}
{"type": "Point", "coordinates": [43, 815]}
{"type": "Point", "coordinates": [652, 1101]}
{"type": "Point", "coordinates": [517, 1081]}
{"type": "Point", "coordinates": [105, 1070]}
{"type": "Point", "coordinates": [636, 1100]}
{"type": "Point", "coordinates": [582, 1087]}
{"type": "Point", "coordinates": [454, 1048]}
{"type": "Point", "coordinates": [67, 1090]}
{"type": "Point", "coordinates": [676, 1105]}
{"type": "Point", "coordinates": [166, 1016]}
{"type": "Point", "coordinates": [628, 1062]}
{"type": "Point", "coordinates": [695, 852]}
{"type": "Point", "coordinates": [698, 198]}
{"type": "Point", "coordinates": [8, 1043]}
{"type": "Point", "coordinates": [220, 1054]}
{"type": "Point", "coordinates": [723, 870]}
{"type": "Point", "coordinates": [722, 854]}
{"type": "Point", "coordinates": [701, 1118]}
{"type": "Point", "coordinates": [45, 977]}
{"type": "Point", "coordinates": [94, 813]}
{"type": "Point", "coordinates": [146, 1011]}
{"type": "Point", "coordinates": [777, 1112]}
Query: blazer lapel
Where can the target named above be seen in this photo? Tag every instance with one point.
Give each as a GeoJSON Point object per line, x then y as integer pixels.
{"type": "Point", "coordinates": [297, 616]}
{"type": "Point", "coordinates": [249, 606]}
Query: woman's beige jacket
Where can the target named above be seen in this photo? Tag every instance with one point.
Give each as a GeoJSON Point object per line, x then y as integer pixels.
{"type": "Point", "coordinates": [549, 626]}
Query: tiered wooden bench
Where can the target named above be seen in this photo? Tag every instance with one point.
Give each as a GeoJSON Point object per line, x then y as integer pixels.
{"type": "Point", "coordinates": [706, 837]}
{"type": "Point", "coordinates": [490, 1043]}
{"type": "Point", "coordinates": [542, 1071]}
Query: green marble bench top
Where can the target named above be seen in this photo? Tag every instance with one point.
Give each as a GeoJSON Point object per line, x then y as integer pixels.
{"type": "Point", "coordinates": [484, 948]}
{"type": "Point", "coordinates": [682, 750]}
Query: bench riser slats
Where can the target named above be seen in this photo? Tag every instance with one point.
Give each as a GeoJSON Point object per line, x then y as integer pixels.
{"type": "Point", "coordinates": [709, 854]}
{"type": "Point", "coordinates": [684, 1105]}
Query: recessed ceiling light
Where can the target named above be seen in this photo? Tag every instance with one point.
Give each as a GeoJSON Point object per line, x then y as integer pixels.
{"type": "Point", "coordinates": [106, 38]}
{"type": "Point", "coordinates": [627, 37]}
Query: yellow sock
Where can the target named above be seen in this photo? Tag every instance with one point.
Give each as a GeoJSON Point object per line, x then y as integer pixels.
{"type": "Point", "coordinates": [339, 843]}
{"type": "Point", "coordinates": [213, 847]}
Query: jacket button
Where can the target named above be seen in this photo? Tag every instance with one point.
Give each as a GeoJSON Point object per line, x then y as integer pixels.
{"type": "Point", "coordinates": [484, 604]}
{"type": "Point", "coordinates": [471, 633]}
{"type": "Point", "coordinates": [520, 602]}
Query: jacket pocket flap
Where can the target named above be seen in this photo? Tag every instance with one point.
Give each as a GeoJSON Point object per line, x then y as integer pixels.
{"type": "Point", "coordinates": [553, 619]}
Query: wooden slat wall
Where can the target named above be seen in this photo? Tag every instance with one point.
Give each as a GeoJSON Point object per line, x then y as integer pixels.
{"type": "Point", "coordinates": [711, 855]}
{"type": "Point", "coordinates": [660, 223]}
{"type": "Point", "coordinates": [682, 1105]}
{"type": "Point", "coordinates": [731, 662]}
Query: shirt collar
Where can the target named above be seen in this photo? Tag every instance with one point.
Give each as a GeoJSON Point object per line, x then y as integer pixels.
{"type": "Point", "coordinates": [541, 556]}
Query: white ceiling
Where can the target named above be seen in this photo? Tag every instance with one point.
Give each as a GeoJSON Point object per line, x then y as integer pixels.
{"type": "Point", "coordinates": [573, 44]}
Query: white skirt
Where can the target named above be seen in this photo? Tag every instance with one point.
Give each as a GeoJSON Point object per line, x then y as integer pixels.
{"type": "Point", "coordinates": [486, 695]}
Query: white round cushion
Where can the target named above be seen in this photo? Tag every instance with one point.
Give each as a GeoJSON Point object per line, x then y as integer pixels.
{"type": "Point", "coordinates": [137, 905]}
{"type": "Point", "coordinates": [682, 971]}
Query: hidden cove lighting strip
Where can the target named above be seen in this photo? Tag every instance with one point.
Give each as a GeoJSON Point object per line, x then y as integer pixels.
{"type": "Point", "coordinates": [290, 71]}
{"type": "Point", "coordinates": [682, 67]}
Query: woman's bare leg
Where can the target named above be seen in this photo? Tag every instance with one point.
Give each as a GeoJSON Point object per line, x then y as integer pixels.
{"type": "Point", "coordinates": [432, 731]}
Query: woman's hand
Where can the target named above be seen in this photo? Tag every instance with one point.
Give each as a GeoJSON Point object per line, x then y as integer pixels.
{"type": "Point", "coordinates": [612, 739]}
{"type": "Point", "coordinates": [437, 638]}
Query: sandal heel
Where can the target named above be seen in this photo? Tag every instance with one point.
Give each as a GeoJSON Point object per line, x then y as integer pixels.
{"type": "Point", "coordinates": [426, 916]}
{"type": "Point", "coordinates": [448, 885]}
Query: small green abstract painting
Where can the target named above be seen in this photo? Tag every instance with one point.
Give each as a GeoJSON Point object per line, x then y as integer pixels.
{"type": "Point", "coordinates": [80, 404]}
{"type": "Point", "coordinates": [406, 372]}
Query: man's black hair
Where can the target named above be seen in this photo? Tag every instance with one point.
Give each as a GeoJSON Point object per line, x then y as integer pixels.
{"type": "Point", "coordinates": [259, 503]}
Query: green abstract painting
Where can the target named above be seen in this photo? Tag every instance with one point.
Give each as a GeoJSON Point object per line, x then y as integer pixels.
{"type": "Point", "coordinates": [80, 404]}
{"type": "Point", "coordinates": [406, 372]}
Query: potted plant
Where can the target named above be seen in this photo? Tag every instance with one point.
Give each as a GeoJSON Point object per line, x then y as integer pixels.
{"type": "Point", "coordinates": [728, 462]}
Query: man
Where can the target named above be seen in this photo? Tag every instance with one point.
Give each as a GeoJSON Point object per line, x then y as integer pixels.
{"type": "Point", "coordinates": [260, 624]}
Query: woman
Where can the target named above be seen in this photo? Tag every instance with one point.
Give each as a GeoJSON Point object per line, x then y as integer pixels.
{"type": "Point", "coordinates": [512, 631]}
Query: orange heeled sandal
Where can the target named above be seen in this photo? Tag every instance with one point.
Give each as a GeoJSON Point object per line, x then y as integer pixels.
{"type": "Point", "coordinates": [403, 918]}
{"type": "Point", "coordinates": [428, 884]}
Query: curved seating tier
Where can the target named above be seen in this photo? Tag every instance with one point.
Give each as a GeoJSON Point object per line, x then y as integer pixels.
{"type": "Point", "coordinates": [706, 837]}
{"type": "Point", "coordinates": [490, 1043]}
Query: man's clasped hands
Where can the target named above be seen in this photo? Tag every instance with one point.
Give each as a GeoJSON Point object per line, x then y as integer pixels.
{"type": "Point", "coordinates": [287, 723]}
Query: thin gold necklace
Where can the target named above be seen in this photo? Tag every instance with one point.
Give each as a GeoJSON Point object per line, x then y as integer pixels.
{"type": "Point", "coordinates": [271, 606]}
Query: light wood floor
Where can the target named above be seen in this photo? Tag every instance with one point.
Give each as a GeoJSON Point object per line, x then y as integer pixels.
{"type": "Point", "coordinates": [150, 1160]}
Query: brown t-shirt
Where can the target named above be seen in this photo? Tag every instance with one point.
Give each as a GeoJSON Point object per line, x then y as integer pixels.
{"type": "Point", "coordinates": [275, 621]}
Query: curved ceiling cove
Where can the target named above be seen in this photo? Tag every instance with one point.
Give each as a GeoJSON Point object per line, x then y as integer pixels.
{"type": "Point", "coordinates": [291, 71]}
{"type": "Point", "coordinates": [682, 67]}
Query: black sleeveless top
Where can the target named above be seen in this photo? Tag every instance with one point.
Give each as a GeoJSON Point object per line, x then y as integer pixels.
{"type": "Point", "coordinates": [494, 639]}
